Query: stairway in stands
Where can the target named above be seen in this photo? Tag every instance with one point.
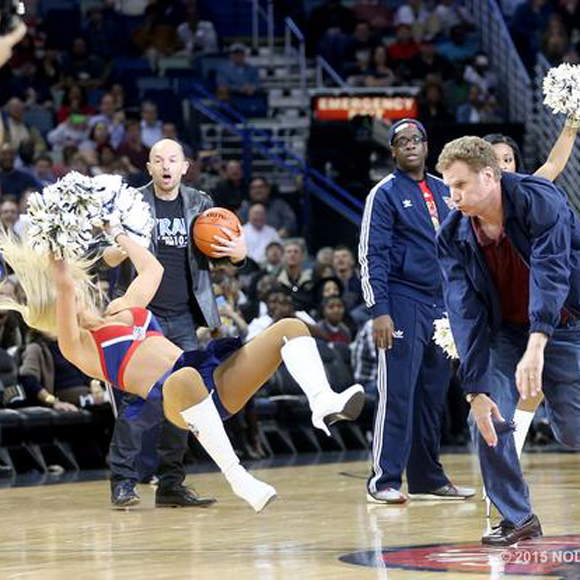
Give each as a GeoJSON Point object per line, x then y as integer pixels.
{"type": "Point", "coordinates": [288, 122]}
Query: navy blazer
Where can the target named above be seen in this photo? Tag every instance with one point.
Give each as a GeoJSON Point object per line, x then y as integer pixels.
{"type": "Point", "coordinates": [546, 233]}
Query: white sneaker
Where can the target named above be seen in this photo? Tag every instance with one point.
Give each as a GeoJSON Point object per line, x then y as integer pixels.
{"type": "Point", "coordinates": [257, 493]}
{"type": "Point", "coordinates": [389, 495]}
{"type": "Point", "coordinates": [330, 407]}
{"type": "Point", "coordinates": [447, 492]}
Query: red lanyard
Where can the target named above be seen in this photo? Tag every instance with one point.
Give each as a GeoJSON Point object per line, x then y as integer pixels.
{"type": "Point", "coordinates": [431, 206]}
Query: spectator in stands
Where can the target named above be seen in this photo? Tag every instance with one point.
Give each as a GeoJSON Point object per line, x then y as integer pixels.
{"type": "Point", "coordinates": [22, 221]}
{"type": "Point", "coordinates": [42, 378]}
{"type": "Point", "coordinates": [258, 234]}
{"type": "Point", "coordinates": [151, 126]}
{"type": "Point", "coordinates": [62, 167]}
{"type": "Point", "coordinates": [16, 130]}
{"type": "Point", "coordinates": [555, 40]}
{"type": "Point", "coordinates": [431, 104]}
{"type": "Point", "coordinates": [113, 118]}
{"type": "Point", "coordinates": [231, 191]}
{"type": "Point", "coordinates": [42, 170]}
{"type": "Point", "coordinates": [197, 36]}
{"type": "Point", "coordinates": [329, 20]}
{"type": "Point", "coordinates": [403, 51]}
{"type": "Point", "coordinates": [13, 181]}
{"type": "Point", "coordinates": [226, 291]}
{"type": "Point", "coordinates": [274, 258]}
{"type": "Point", "coordinates": [13, 330]}
{"type": "Point", "coordinates": [529, 21]}
{"type": "Point", "coordinates": [364, 359]}
{"type": "Point", "coordinates": [569, 11]}
{"type": "Point", "coordinates": [416, 15]}
{"type": "Point", "coordinates": [169, 131]}
{"type": "Point", "coordinates": [50, 66]}
{"type": "Point", "coordinates": [277, 298]}
{"type": "Point", "coordinates": [9, 212]}
{"type": "Point", "coordinates": [359, 74]}
{"type": "Point", "coordinates": [295, 276]}
{"type": "Point", "coordinates": [108, 162]}
{"type": "Point", "coordinates": [157, 37]}
{"type": "Point", "coordinates": [491, 110]}
{"type": "Point", "coordinates": [375, 12]}
{"type": "Point", "coordinates": [279, 214]}
{"type": "Point", "coordinates": [321, 272]}
{"type": "Point", "coordinates": [427, 62]}
{"type": "Point", "coordinates": [460, 46]}
{"type": "Point", "coordinates": [73, 131]}
{"type": "Point", "coordinates": [325, 256]}
{"type": "Point", "coordinates": [344, 266]}
{"type": "Point", "coordinates": [470, 112]}
{"type": "Point", "coordinates": [82, 68]}
{"type": "Point", "coordinates": [132, 147]}
{"type": "Point", "coordinates": [478, 73]}
{"type": "Point", "coordinates": [326, 287]}
{"type": "Point", "coordinates": [102, 34]}
{"type": "Point", "coordinates": [119, 95]}
{"type": "Point", "coordinates": [362, 39]}
{"type": "Point", "coordinates": [25, 158]}
{"type": "Point", "coordinates": [332, 323]}
{"type": "Point", "coordinates": [79, 163]}
{"type": "Point", "coordinates": [74, 102]}
{"type": "Point", "coordinates": [239, 83]}
{"type": "Point", "coordinates": [450, 13]}
{"type": "Point", "coordinates": [98, 136]}
{"type": "Point", "coordinates": [381, 74]}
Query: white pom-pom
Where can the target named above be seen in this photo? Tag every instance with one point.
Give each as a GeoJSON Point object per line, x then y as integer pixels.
{"type": "Point", "coordinates": [443, 337]}
{"type": "Point", "coordinates": [62, 218]}
{"type": "Point", "coordinates": [561, 88]}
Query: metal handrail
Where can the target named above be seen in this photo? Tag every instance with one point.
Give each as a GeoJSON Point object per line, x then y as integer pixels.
{"type": "Point", "coordinates": [292, 30]}
{"type": "Point", "coordinates": [338, 199]}
{"type": "Point", "coordinates": [322, 66]}
{"type": "Point", "coordinates": [267, 15]}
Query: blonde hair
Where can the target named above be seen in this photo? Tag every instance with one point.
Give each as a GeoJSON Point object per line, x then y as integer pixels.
{"type": "Point", "coordinates": [33, 272]}
{"type": "Point", "coordinates": [473, 151]}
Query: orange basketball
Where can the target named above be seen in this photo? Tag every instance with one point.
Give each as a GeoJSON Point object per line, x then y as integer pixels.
{"type": "Point", "coordinates": [209, 224]}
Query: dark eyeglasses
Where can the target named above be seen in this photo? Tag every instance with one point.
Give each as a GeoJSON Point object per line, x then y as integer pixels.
{"type": "Point", "coordinates": [404, 141]}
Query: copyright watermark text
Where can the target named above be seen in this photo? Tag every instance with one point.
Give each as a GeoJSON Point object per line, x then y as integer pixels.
{"type": "Point", "coordinates": [523, 557]}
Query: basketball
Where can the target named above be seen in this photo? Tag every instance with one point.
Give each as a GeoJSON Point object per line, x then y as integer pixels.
{"type": "Point", "coordinates": [209, 224]}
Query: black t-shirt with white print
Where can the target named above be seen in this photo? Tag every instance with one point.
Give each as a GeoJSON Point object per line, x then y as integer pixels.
{"type": "Point", "coordinates": [174, 294]}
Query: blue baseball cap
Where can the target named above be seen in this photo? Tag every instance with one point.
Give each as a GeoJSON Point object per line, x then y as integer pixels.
{"type": "Point", "coordinates": [403, 124]}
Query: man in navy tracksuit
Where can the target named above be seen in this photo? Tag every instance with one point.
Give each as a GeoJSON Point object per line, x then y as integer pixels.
{"type": "Point", "coordinates": [401, 284]}
{"type": "Point", "coordinates": [511, 264]}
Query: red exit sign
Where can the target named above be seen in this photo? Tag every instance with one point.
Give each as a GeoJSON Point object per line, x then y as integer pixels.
{"type": "Point", "coordinates": [343, 108]}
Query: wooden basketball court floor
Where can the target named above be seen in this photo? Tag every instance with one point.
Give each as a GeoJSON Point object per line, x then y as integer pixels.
{"type": "Point", "coordinates": [319, 527]}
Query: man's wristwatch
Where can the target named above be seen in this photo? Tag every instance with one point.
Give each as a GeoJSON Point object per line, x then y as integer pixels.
{"type": "Point", "coordinates": [470, 397]}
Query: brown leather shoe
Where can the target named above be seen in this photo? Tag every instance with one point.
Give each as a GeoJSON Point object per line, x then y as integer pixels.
{"type": "Point", "coordinates": [507, 534]}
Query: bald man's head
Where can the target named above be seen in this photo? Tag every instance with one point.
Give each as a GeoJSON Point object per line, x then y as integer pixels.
{"type": "Point", "coordinates": [167, 166]}
{"type": "Point", "coordinates": [166, 147]}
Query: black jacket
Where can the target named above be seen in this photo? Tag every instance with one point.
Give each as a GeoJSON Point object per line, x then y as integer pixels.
{"type": "Point", "coordinates": [194, 203]}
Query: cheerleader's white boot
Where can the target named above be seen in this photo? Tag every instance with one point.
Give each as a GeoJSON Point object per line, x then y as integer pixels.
{"type": "Point", "coordinates": [303, 362]}
{"type": "Point", "coordinates": [205, 423]}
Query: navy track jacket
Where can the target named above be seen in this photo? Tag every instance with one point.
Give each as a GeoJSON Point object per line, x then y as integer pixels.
{"type": "Point", "coordinates": [397, 242]}
{"type": "Point", "coordinates": [546, 233]}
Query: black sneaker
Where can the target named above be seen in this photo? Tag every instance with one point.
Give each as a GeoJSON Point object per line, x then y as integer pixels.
{"type": "Point", "coordinates": [180, 496]}
{"type": "Point", "coordinates": [507, 534]}
{"type": "Point", "coordinates": [124, 494]}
